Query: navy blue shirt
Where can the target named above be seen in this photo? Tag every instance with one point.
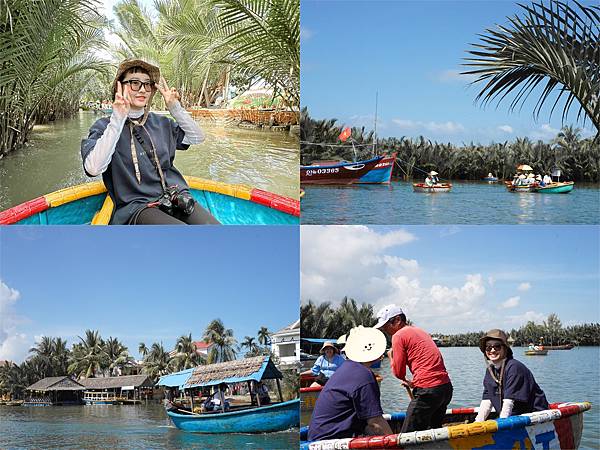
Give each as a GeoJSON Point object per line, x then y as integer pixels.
{"type": "Point", "coordinates": [350, 397]}
{"type": "Point", "coordinates": [519, 386]}
{"type": "Point", "coordinates": [119, 178]}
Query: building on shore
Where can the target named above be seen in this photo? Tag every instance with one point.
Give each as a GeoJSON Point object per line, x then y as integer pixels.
{"type": "Point", "coordinates": [285, 344]}
{"type": "Point", "coordinates": [54, 391]}
{"type": "Point", "coordinates": [113, 390]}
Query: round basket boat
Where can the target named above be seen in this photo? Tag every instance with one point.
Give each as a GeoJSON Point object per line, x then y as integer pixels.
{"type": "Point", "coordinates": [559, 427]}
{"type": "Point", "coordinates": [436, 188]}
{"type": "Point", "coordinates": [89, 203]}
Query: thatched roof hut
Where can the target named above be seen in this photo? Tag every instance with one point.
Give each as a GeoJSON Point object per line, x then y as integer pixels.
{"type": "Point", "coordinates": [63, 383]}
{"type": "Point", "coordinates": [134, 381]}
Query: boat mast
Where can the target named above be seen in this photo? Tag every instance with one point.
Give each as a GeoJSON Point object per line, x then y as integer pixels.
{"type": "Point", "coordinates": [375, 126]}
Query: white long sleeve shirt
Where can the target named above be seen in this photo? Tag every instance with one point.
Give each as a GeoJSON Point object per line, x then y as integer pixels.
{"type": "Point", "coordinates": [99, 158]}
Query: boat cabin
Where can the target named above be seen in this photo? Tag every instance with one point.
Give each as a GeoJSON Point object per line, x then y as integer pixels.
{"type": "Point", "coordinates": [193, 390]}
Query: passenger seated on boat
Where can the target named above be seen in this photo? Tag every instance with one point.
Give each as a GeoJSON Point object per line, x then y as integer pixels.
{"type": "Point", "coordinates": [349, 405]}
{"type": "Point", "coordinates": [508, 385]}
{"type": "Point", "coordinates": [134, 150]}
{"type": "Point", "coordinates": [259, 389]}
{"type": "Point", "coordinates": [214, 402]}
{"type": "Point", "coordinates": [326, 364]}
{"type": "Point", "coordinates": [546, 180]}
{"type": "Point", "coordinates": [429, 181]}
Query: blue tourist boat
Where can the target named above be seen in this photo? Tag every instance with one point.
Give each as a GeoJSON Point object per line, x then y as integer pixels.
{"type": "Point", "coordinates": [89, 203]}
{"type": "Point", "coordinates": [232, 417]}
{"type": "Point", "coordinates": [559, 427]}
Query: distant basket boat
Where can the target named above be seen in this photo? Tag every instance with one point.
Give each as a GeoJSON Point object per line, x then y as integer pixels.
{"type": "Point", "coordinates": [559, 427]}
{"type": "Point", "coordinates": [490, 179]}
{"type": "Point", "coordinates": [541, 352]}
{"type": "Point", "coordinates": [89, 203]}
{"type": "Point", "coordinates": [255, 418]}
{"type": "Point", "coordinates": [556, 188]}
{"type": "Point", "coordinates": [337, 172]}
{"type": "Point", "coordinates": [436, 188]}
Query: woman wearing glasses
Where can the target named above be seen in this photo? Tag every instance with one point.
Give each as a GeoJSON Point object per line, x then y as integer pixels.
{"type": "Point", "coordinates": [134, 151]}
{"type": "Point", "coordinates": [508, 385]}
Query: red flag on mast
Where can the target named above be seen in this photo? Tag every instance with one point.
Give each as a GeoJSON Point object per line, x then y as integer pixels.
{"type": "Point", "coordinates": [345, 134]}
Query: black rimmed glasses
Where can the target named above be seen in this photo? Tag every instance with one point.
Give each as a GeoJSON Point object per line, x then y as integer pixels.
{"type": "Point", "coordinates": [135, 85]}
{"type": "Point", "coordinates": [497, 347]}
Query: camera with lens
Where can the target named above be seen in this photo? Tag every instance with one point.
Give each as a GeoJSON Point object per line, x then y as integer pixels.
{"type": "Point", "coordinates": [175, 199]}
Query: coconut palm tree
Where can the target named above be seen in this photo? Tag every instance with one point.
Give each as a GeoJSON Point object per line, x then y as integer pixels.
{"type": "Point", "coordinates": [222, 340]}
{"type": "Point", "coordinates": [187, 356]}
{"type": "Point", "coordinates": [264, 336]}
{"type": "Point", "coordinates": [554, 43]}
{"type": "Point", "coordinates": [118, 355]}
{"type": "Point", "coordinates": [48, 52]}
{"type": "Point", "coordinates": [43, 353]}
{"type": "Point", "coordinates": [158, 361]}
{"type": "Point", "coordinates": [250, 343]}
{"type": "Point", "coordinates": [142, 349]}
{"type": "Point", "coordinates": [89, 357]}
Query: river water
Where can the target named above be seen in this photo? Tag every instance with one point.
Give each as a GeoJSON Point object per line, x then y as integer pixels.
{"type": "Point", "coordinates": [473, 203]}
{"type": "Point", "coordinates": [112, 427]}
{"type": "Point", "coordinates": [563, 375]}
{"type": "Point", "coordinates": [52, 160]}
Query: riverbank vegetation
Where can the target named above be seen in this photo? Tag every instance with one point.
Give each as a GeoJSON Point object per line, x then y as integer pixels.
{"type": "Point", "coordinates": [94, 356]}
{"type": "Point", "coordinates": [577, 158]}
{"type": "Point", "coordinates": [54, 53]}
{"type": "Point", "coordinates": [326, 321]}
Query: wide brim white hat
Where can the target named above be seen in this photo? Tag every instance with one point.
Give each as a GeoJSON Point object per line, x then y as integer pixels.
{"type": "Point", "coordinates": [365, 344]}
{"type": "Point", "coordinates": [386, 313]}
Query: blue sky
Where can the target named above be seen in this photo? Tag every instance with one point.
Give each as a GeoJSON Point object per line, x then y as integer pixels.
{"type": "Point", "coordinates": [410, 52]}
{"type": "Point", "coordinates": [145, 284]}
{"type": "Point", "coordinates": [458, 278]}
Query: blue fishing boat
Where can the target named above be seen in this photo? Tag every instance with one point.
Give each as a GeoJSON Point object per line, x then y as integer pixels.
{"type": "Point", "coordinates": [89, 203]}
{"type": "Point", "coordinates": [260, 416]}
{"type": "Point", "coordinates": [381, 173]}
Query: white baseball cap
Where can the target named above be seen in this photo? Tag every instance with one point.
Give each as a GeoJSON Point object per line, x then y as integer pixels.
{"type": "Point", "coordinates": [386, 313]}
{"type": "Point", "coordinates": [365, 344]}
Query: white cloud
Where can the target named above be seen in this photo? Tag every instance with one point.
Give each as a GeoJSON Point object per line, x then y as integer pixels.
{"type": "Point", "coordinates": [522, 319]}
{"type": "Point", "coordinates": [524, 287]}
{"type": "Point", "coordinates": [306, 33]}
{"type": "Point", "coordinates": [449, 231]}
{"type": "Point", "coordinates": [14, 346]}
{"type": "Point", "coordinates": [491, 280]}
{"type": "Point", "coordinates": [544, 132]}
{"type": "Point", "coordinates": [453, 75]}
{"type": "Point", "coordinates": [506, 128]}
{"type": "Point", "coordinates": [433, 127]}
{"type": "Point", "coordinates": [358, 262]}
{"type": "Point", "coordinates": [510, 303]}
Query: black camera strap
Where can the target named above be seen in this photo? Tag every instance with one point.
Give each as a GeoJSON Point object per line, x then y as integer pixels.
{"type": "Point", "coordinates": [150, 152]}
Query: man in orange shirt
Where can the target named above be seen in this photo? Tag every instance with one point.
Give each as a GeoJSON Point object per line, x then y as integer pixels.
{"type": "Point", "coordinates": [431, 387]}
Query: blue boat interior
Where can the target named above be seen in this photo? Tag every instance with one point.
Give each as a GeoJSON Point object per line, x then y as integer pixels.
{"type": "Point", "coordinates": [228, 210]}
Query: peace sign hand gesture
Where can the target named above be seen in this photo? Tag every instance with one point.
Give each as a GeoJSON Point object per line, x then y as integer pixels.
{"type": "Point", "coordinates": [122, 102]}
{"type": "Point", "coordinates": [170, 95]}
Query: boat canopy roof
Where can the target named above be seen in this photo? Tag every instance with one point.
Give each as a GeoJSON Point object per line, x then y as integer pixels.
{"type": "Point", "coordinates": [318, 341]}
{"type": "Point", "coordinates": [249, 369]}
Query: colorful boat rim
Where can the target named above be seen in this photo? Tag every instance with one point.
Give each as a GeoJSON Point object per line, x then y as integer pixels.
{"type": "Point", "coordinates": [556, 188]}
{"type": "Point", "coordinates": [88, 203]}
{"type": "Point", "coordinates": [559, 427]}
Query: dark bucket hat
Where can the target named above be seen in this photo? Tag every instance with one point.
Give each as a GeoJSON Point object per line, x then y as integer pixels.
{"type": "Point", "coordinates": [495, 334]}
